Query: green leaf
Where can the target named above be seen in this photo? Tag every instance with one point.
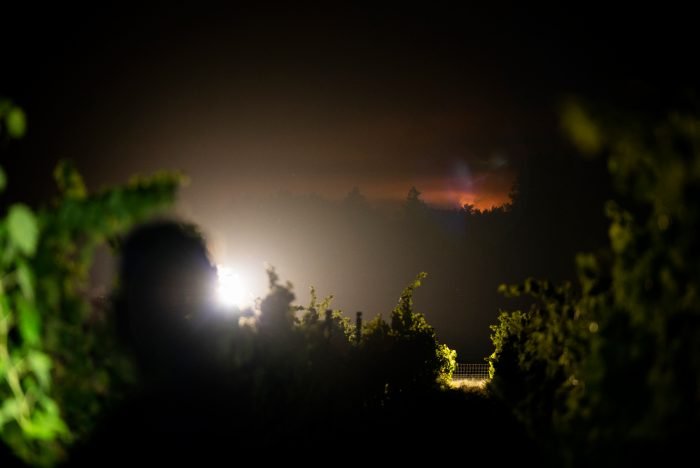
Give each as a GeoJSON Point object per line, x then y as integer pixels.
{"type": "Point", "coordinates": [40, 364]}
{"type": "Point", "coordinates": [582, 130]}
{"type": "Point", "coordinates": [69, 180]}
{"type": "Point", "coordinates": [5, 312]}
{"type": "Point", "coordinates": [3, 179]}
{"type": "Point", "coordinates": [29, 322]}
{"type": "Point", "coordinates": [23, 228]}
{"type": "Point", "coordinates": [25, 279]}
{"type": "Point", "coordinates": [9, 410]}
{"type": "Point", "coordinates": [44, 426]}
{"type": "Point", "coordinates": [46, 422]}
{"type": "Point", "coordinates": [16, 122]}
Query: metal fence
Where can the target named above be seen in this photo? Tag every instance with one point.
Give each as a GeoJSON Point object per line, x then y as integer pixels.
{"type": "Point", "coordinates": [471, 372]}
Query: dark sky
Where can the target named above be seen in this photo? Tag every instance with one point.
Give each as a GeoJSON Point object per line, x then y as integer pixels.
{"type": "Point", "coordinates": [322, 100]}
{"type": "Point", "coordinates": [456, 101]}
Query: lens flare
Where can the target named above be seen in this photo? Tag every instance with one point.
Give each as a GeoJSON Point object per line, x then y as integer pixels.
{"type": "Point", "coordinates": [231, 289]}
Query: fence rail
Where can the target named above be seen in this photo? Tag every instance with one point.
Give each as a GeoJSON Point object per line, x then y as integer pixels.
{"type": "Point", "coordinates": [471, 372]}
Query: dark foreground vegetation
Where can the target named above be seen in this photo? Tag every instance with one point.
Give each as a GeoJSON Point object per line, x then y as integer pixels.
{"type": "Point", "coordinates": [598, 373]}
{"type": "Point", "coordinates": [159, 372]}
{"type": "Point", "coordinates": [606, 371]}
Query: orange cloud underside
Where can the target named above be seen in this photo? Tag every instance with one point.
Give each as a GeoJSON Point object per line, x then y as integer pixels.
{"type": "Point", "coordinates": [451, 198]}
{"type": "Point", "coordinates": [484, 191]}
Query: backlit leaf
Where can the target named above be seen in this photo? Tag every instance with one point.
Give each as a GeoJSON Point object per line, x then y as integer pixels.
{"type": "Point", "coordinates": [16, 122]}
{"type": "Point", "coordinates": [581, 129]}
{"type": "Point", "coordinates": [40, 364]}
{"type": "Point", "coordinates": [25, 279]}
{"type": "Point", "coordinates": [29, 322]}
{"type": "Point", "coordinates": [23, 228]}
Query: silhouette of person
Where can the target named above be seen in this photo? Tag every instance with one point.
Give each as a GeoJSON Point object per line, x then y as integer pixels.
{"type": "Point", "coordinates": [166, 288]}
{"type": "Point", "coordinates": [163, 310]}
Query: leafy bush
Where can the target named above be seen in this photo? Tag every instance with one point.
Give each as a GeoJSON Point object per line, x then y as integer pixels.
{"type": "Point", "coordinates": [612, 369]}
{"type": "Point", "coordinates": [58, 360]}
{"type": "Point", "coordinates": [410, 356]}
{"type": "Point", "coordinates": [535, 367]}
{"type": "Point", "coordinates": [389, 359]}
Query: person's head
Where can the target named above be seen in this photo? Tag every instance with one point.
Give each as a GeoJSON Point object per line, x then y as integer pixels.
{"type": "Point", "coordinates": [166, 278]}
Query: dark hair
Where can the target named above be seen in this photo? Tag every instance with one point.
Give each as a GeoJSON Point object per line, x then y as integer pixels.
{"type": "Point", "coordinates": [166, 278]}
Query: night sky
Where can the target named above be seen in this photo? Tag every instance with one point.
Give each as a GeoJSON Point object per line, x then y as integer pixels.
{"type": "Point", "coordinates": [457, 102]}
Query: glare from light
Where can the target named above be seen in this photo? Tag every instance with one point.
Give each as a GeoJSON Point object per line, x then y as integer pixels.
{"type": "Point", "coordinates": [232, 290]}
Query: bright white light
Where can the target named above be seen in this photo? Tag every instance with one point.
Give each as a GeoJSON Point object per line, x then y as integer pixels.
{"type": "Point", "coordinates": [232, 290]}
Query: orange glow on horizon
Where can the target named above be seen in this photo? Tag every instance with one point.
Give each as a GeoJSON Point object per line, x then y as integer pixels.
{"type": "Point", "coordinates": [490, 191]}
{"type": "Point", "coordinates": [484, 191]}
{"type": "Point", "coordinates": [457, 199]}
